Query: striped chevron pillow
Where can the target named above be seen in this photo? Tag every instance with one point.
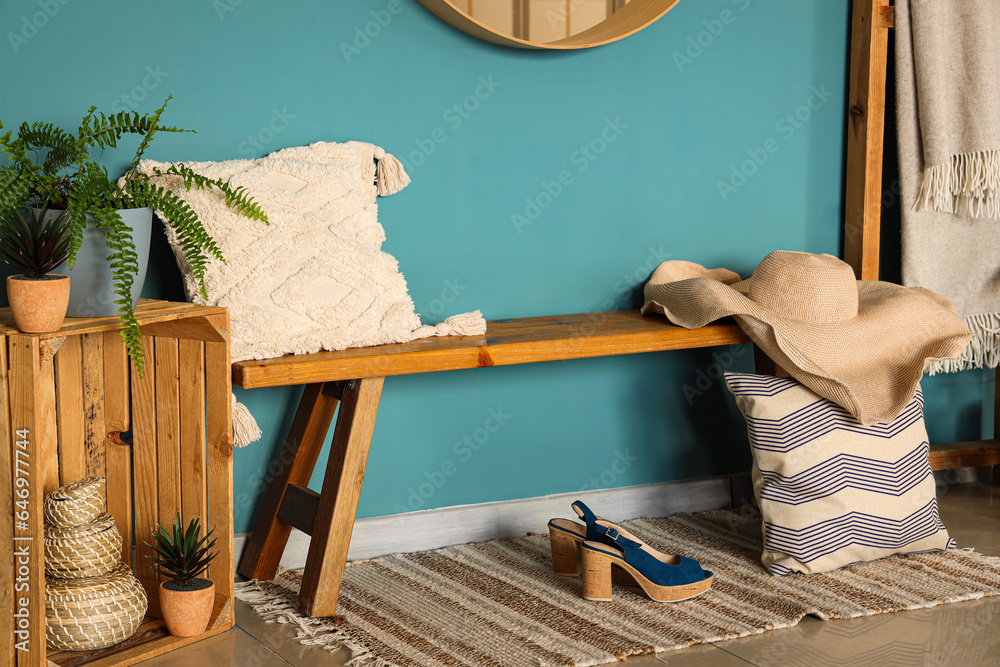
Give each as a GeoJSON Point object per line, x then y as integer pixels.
{"type": "Point", "coordinates": [831, 491]}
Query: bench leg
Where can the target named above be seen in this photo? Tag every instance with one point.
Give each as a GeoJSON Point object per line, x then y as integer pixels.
{"type": "Point", "coordinates": [338, 502]}
{"type": "Point", "coordinates": [299, 454]}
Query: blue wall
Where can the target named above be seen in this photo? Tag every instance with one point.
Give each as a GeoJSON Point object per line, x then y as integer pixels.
{"type": "Point", "coordinates": [668, 115]}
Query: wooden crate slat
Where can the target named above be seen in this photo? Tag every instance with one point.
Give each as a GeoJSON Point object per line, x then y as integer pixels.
{"type": "Point", "coordinates": [119, 491]}
{"type": "Point", "coordinates": [116, 371]}
{"type": "Point", "coordinates": [94, 429]}
{"type": "Point", "coordinates": [146, 306]}
{"type": "Point", "coordinates": [6, 518]}
{"type": "Point", "coordinates": [118, 455]}
{"type": "Point", "coordinates": [48, 435]}
{"type": "Point", "coordinates": [169, 312]}
{"type": "Point", "coordinates": [190, 328]}
{"type": "Point", "coordinates": [152, 588]}
{"type": "Point", "coordinates": [25, 376]}
{"type": "Point", "coordinates": [192, 419]}
{"type": "Point", "coordinates": [168, 429]}
{"type": "Point", "coordinates": [144, 451]}
{"type": "Point", "coordinates": [69, 402]}
{"type": "Point", "coordinates": [219, 431]}
{"type": "Point", "coordinates": [147, 312]}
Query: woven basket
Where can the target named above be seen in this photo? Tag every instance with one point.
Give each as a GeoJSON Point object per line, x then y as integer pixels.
{"type": "Point", "coordinates": [75, 504]}
{"type": "Point", "coordinates": [92, 613]}
{"type": "Point", "coordinates": [83, 551]}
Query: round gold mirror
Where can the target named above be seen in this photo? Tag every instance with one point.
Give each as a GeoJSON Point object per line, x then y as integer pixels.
{"type": "Point", "coordinates": [549, 24]}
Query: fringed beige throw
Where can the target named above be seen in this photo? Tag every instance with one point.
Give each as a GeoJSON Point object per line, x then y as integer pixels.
{"type": "Point", "coordinates": [948, 112]}
{"type": "Point", "coordinates": [950, 52]}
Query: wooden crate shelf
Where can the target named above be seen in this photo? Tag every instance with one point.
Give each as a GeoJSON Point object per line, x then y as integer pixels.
{"type": "Point", "coordinates": [70, 399]}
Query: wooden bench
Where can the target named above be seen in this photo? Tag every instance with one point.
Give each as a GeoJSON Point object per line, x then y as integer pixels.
{"type": "Point", "coordinates": [354, 378]}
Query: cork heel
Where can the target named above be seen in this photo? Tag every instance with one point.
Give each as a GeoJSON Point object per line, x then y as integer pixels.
{"type": "Point", "coordinates": [663, 577]}
{"type": "Point", "coordinates": [596, 576]}
{"type": "Point", "coordinates": [565, 538]}
{"type": "Point", "coordinates": [564, 552]}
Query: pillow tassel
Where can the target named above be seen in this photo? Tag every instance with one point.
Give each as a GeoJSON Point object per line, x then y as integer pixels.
{"type": "Point", "coordinates": [245, 429]}
{"type": "Point", "coordinates": [464, 324]}
{"type": "Point", "coordinates": [390, 175]}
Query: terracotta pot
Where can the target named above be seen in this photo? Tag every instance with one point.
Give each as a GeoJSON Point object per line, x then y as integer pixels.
{"type": "Point", "coordinates": [38, 304]}
{"type": "Point", "coordinates": [186, 612]}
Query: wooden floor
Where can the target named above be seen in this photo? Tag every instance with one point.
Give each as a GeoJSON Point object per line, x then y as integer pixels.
{"type": "Point", "coordinates": [955, 635]}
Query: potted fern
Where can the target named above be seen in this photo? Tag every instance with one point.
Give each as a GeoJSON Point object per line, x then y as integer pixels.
{"type": "Point", "coordinates": [34, 244]}
{"type": "Point", "coordinates": [108, 222]}
{"type": "Point", "coordinates": [185, 598]}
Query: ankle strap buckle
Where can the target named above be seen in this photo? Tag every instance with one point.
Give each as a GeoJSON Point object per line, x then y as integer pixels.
{"type": "Point", "coordinates": [612, 533]}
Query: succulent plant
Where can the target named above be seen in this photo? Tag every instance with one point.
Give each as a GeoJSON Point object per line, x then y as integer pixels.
{"type": "Point", "coordinates": [183, 554]}
{"type": "Point", "coordinates": [32, 244]}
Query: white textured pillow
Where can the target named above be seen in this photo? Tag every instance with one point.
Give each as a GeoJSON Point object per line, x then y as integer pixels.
{"type": "Point", "coordinates": [316, 277]}
{"type": "Point", "coordinates": [831, 491]}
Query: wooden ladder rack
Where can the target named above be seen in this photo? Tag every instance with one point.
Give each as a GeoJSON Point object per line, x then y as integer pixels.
{"type": "Point", "coordinates": [870, 24]}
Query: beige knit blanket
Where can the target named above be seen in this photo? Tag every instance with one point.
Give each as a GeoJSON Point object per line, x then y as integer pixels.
{"type": "Point", "coordinates": [948, 114]}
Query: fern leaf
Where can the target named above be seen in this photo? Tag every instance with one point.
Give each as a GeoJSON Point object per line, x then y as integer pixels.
{"type": "Point", "coordinates": [105, 131]}
{"type": "Point", "coordinates": [76, 222]}
{"type": "Point", "coordinates": [237, 198]}
{"type": "Point", "coordinates": [124, 261]}
{"type": "Point", "coordinates": [154, 126]}
{"type": "Point", "coordinates": [13, 192]}
{"type": "Point", "coordinates": [131, 336]}
{"type": "Point", "coordinates": [196, 243]}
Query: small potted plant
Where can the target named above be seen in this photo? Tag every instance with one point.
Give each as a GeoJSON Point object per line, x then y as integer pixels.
{"type": "Point", "coordinates": [185, 599]}
{"type": "Point", "coordinates": [34, 244]}
{"type": "Point", "coordinates": [108, 221]}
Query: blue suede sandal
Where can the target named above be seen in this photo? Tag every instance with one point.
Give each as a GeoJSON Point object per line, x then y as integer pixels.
{"type": "Point", "coordinates": [663, 577]}
{"type": "Point", "coordinates": [565, 537]}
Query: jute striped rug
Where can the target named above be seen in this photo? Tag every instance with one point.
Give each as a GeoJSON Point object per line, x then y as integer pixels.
{"type": "Point", "coordinates": [499, 603]}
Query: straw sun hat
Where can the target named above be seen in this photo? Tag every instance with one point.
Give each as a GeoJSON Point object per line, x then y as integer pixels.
{"type": "Point", "coordinates": [863, 344]}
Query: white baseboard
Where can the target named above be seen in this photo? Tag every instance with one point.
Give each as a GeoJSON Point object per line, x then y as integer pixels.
{"type": "Point", "coordinates": [435, 528]}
